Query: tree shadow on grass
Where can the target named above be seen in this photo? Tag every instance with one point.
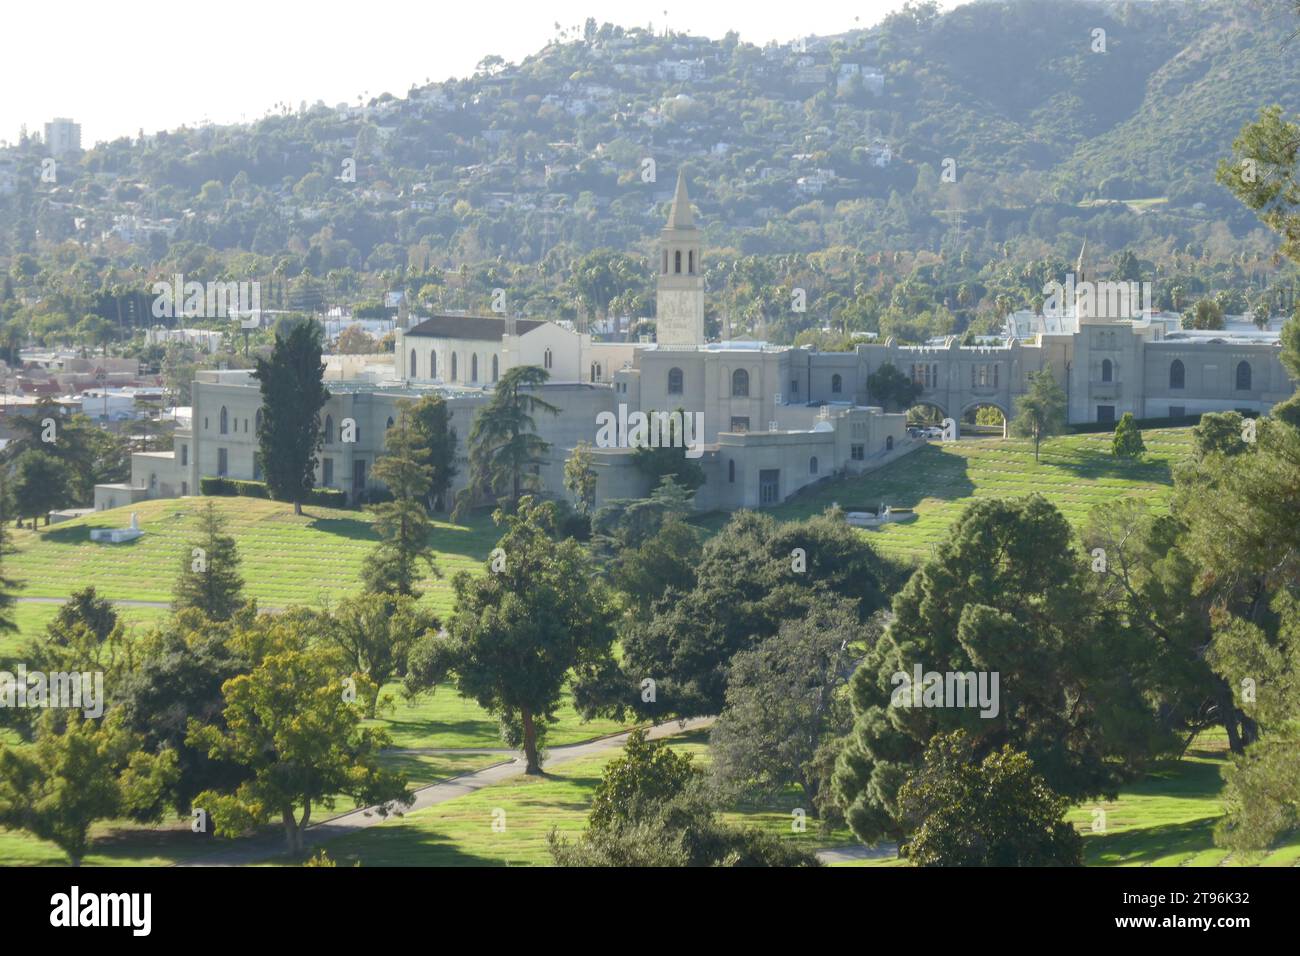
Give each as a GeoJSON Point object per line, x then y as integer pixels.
{"type": "Point", "coordinates": [928, 472]}
{"type": "Point", "coordinates": [1143, 845]}
{"type": "Point", "coordinates": [1151, 472]}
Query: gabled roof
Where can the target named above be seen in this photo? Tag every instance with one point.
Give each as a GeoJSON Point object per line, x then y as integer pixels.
{"type": "Point", "coordinates": [476, 327]}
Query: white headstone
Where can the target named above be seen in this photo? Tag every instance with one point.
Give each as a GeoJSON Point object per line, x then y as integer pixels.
{"type": "Point", "coordinates": [135, 523]}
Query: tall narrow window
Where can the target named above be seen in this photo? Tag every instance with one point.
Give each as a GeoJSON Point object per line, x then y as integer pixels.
{"type": "Point", "coordinates": [494, 368]}
{"type": "Point", "coordinates": [837, 384]}
{"type": "Point", "coordinates": [1243, 376]}
{"type": "Point", "coordinates": [1107, 371]}
{"type": "Point", "coordinates": [677, 261]}
{"type": "Point", "coordinates": [674, 381]}
{"type": "Point", "coordinates": [412, 363]}
{"type": "Point", "coordinates": [547, 359]}
{"type": "Point", "coordinates": [740, 383]}
{"type": "Point", "coordinates": [473, 367]}
{"type": "Point", "coordinates": [329, 428]}
{"type": "Point", "coordinates": [453, 366]}
{"type": "Point", "coordinates": [1177, 374]}
{"type": "Point", "coordinates": [731, 470]}
{"type": "Point", "coordinates": [690, 262]}
{"type": "Point", "coordinates": [225, 421]}
{"type": "Point", "coordinates": [433, 364]}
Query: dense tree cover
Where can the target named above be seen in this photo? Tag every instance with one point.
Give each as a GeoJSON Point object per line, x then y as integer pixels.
{"type": "Point", "coordinates": [79, 771]}
{"type": "Point", "coordinates": [995, 811]}
{"type": "Point", "coordinates": [519, 629]}
{"type": "Point", "coordinates": [754, 574]}
{"type": "Point", "coordinates": [373, 634]}
{"type": "Point", "coordinates": [292, 722]}
{"type": "Point", "coordinates": [784, 704]}
{"type": "Point", "coordinates": [892, 389]}
{"type": "Point", "coordinates": [1005, 595]}
{"type": "Point", "coordinates": [431, 418]}
{"type": "Point", "coordinates": [650, 810]}
{"type": "Point", "coordinates": [289, 427]}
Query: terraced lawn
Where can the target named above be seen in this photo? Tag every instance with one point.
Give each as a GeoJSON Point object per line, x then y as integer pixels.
{"type": "Point", "coordinates": [1076, 473]}
{"type": "Point", "coordinates": [286, 558]}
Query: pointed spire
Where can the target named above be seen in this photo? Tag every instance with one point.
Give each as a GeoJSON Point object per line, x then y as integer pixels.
{"type": "Point", "coordinates": [1080, 264]}
{"type": "Point", "coordinates": [679, 217]}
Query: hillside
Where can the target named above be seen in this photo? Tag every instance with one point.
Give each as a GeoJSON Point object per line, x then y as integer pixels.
{"type": "Point", "coordinates": [285, 559]}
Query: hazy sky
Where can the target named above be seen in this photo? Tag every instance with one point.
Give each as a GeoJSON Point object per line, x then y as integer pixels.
{"type": "Point", "coordinates": [120, 67]}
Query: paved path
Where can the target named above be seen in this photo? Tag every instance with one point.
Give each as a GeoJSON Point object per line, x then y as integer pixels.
{"type": "Point", "coordinates": [851, 854]}
{"type": "Point", "coordinates": [244, 852]}
{"type": "Point", "coordinates": [63, 600]}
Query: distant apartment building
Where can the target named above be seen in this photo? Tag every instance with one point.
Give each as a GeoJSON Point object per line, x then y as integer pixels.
{"type": "Point", "coordinates": [62, 136]}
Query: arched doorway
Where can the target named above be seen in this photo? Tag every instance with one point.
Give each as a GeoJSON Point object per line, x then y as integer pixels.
{"type": "Point", "coordinates": [984, 420]}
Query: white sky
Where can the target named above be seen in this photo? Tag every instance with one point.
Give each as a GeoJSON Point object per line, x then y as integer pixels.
{"type": "Point", "coordinates": [120, 67]}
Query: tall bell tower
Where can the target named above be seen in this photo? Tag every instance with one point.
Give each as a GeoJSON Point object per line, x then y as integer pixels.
{"type": "Point", "coordinates": [679, 292]}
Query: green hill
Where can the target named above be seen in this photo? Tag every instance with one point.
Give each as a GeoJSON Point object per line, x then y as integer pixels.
{"type": "Point", "coordinates": [285, 559]}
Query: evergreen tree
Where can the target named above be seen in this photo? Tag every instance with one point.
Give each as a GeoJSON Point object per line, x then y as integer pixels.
{"type": "Point", "coordinates": [504, 447]}
{"type": "Point", "coordinates": [1127, 440]}
{"type": "Point", "coordinates": [209, 580]}
{"type": "Point", "coordinates": [403, 524]}
{"type": "Point", "coordinates": [7, 584]}
{"type": "Point", "coordinates": [432, 418]}
{"type": "Point", "coordinates": [293, 393]}
{"type": "Point", "coordinates": [1040, 412]}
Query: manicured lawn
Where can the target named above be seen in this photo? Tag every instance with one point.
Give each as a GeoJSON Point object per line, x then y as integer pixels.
{"type": "Point", "coordinates": [285, 559]}
{"type": "Point", "coordinates": [1168, 819]}
{"type": "Point", "coordinates": [460, 832]}
{"type": "Point", "coordinates": [123, 843]}
{"type": "Point", "coordinates": [1076, 473]}
{"type": "Point", "coordinates": [445, 719]}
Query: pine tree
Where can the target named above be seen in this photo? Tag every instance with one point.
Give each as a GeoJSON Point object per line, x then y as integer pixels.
{"type": "Point", "coordinates": [293, 393]}
{"type": "Point", "coordinates": [503, 443]}
{"type": "Point", "coordinates": [209, 580]}
{"type": "Point", "coordinates": [403, 524]}
{"type": "Point", "coordinates": [1127, 440]}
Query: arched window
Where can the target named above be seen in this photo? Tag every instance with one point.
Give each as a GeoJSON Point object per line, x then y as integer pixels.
{"type": "Point", "coordinates": [1243, 376]}
{"type": "Point", "coordinates": [1177, 374]}
{"type": "Point", "coordinates": [412, 363]}
{"type": "Point", "coordinates": [453, 366]}
{"type": "Point", "coordinates": [329, 428]}
{"type": "Point", "coordinates": [677, 261]}
{"type": "Point", "coordinates": [390, 423]}
{"type": "Point", "coordinates": [494, 368]}
{"type": "Point", "coordinates": [473, 367]}
{"type": "Point", "coordinates": [731, 470]}
{"type": "Point", "coordinates": [257, 421]}
{"type": "Point", "coordinates": [889, 443]}
{"type": "Point", "coordinates": [547, 359]}
{"type": "Point", "coordinates": [674, 381]}
{"type": "Point", "coordinates": [812, 465]}
{"type": "Point", "coordinates": [837, 384]}
{"type": "Point", "coordinates": [1107, 371]}
{"type": "Point", "coordinates": [433, 364]}
{"type": "Point", "coordinates": [225, 420]}
{"type": "Point", "coordinates": [665, 262]}
{"type": "Point", "coordinates": [740, 383]}
{"type": "Point", "coordinates": [595, 371]}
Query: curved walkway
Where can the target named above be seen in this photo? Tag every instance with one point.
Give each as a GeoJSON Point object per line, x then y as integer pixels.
{"type": "Point", "coordinates": [254, 850]}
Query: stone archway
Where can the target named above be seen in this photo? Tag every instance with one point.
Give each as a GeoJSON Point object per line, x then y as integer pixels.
{"type": "Point", "coordinates": [971, 411]}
